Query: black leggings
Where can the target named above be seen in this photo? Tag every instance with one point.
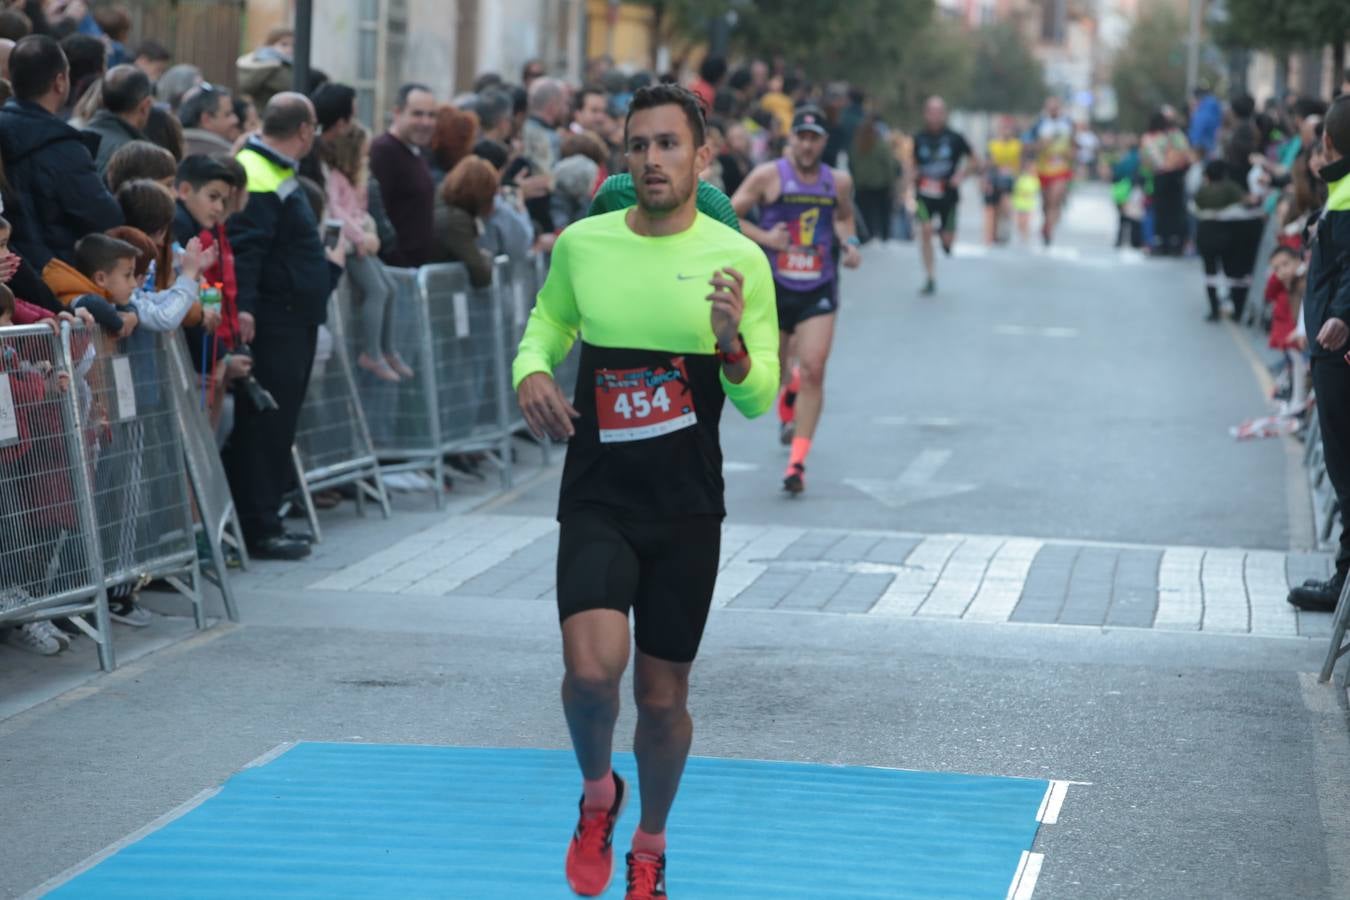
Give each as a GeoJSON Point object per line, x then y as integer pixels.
{"type": "Point", "coordinates": [1229, 246]}
{"type": "Point", "coordinates": [1169, 211]}
{"type": "Point", "coordinates": [874, 205]}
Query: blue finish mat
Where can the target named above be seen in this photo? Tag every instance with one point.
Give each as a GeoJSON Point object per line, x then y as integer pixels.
{"type": "Point", "coordinates": [367, 820]}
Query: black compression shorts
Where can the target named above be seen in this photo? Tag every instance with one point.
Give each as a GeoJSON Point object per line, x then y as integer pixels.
{"type": "Point", "coordinates": [665, 572]}
{"type": "Point", "coordinates": [795, 307]}
{"type": "Point", "coordinates": [943, 209]}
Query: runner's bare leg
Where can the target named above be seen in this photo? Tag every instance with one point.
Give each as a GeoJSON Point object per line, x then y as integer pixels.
{"type": "Point", "coordinates": [664, 734]}
{"type": "Point", "coordinates": [814, 337]}
{"type": "Point", "coordinates": [595, 654]}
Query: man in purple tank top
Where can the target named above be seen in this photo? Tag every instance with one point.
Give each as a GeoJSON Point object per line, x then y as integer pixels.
{"type": "Point", "coordinates": [806, 227]}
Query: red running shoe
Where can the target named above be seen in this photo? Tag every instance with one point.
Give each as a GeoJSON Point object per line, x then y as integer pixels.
{"type": "Point", "coordinates": [646, 877]}
{"type": "Point", "coordinates": [590, 856]}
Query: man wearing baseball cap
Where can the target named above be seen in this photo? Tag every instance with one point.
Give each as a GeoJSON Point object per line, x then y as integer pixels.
{"type": "Point", "coordinates": [805, 221]}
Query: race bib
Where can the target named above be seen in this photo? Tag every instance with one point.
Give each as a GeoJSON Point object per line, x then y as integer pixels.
{"type": "Point", "coordinates": [800, 262]}
{"type": "Point", "coordinates": [639, 404]}
{"type": "Point", "coordinates": [932, 187]}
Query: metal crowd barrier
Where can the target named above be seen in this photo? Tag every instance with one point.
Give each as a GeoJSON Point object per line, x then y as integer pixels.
{"type": "Point", "coordinates": [216, 517]}
{"type": "Point", "coordinates": [1327, 510]}
{"type": "Point", "coordinates": [455, 338]}
{"type": "Point", "coordinates": [520, 282]}
{"type": "Point", "coordinates": [333, 446]}
{"type": "Point", "coordinates": [140, 477]}
{"type": "Point", "coordinates": [50, 561]}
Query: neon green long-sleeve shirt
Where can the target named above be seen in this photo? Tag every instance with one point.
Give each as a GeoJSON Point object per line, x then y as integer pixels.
{"type": "Point", "coordinates": [618, 289]}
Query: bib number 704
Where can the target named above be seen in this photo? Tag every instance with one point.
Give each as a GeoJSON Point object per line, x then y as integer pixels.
{"type": "Point", "coordinates": [636, 405]}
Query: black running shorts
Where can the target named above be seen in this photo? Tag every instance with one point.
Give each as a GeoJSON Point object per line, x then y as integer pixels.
{"type": "Point", "coordinates": [664, 572]}
{"type": "Point", "coordinates": [943, 209]}
{"type": "Point", "coordinates": [795, 307]}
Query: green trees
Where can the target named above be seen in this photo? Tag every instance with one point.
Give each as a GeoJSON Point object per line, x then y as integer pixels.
{"type": "Point", "coordinates": [898, 51]}
{"type": "Point", "coordinates": [1150, 69]}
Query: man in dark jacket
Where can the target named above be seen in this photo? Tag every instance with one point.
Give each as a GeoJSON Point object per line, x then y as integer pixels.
{"type": "Point", "coordinates": [1326, 312]}
{"type": "Point", "coordinates": [127, 99]}
{"type": "Point", "coordinates": [284, 279]}
{"type": "Point", "coordinates": [56, 195]}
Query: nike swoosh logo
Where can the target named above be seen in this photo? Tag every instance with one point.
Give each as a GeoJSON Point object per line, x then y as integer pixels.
{"type": "Point", "coordinates": [685, 277]}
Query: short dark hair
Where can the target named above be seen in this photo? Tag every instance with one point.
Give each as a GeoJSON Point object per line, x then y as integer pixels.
{"type": "Point", "coordinates": [86, 54]}
{"type": "Point", "coordinates": [670, 95]}
{"type": "Point", "coordinates": [125, 88]}
{"type": "Point", "coordinates": [200, 100]}
{"type": "Point", "coordinates": [492, 107]}
{"type": "Point", "coordinates": [153, 51]}
{"type": "Point", "coordinates": [1284, 249]}
{"type": "Point", "coordinates": [1337, 125]}
{"type": "Point", "coordinates": [487, 81]}
{"type": "Point", "coordinates": [14, 25]}
{"type": "Point", "coordinates": [147, 205]}
{"type": "Point", "coordinates": [741, 78]}
{"type": "Point", "coordinates": [406, 90]}
{"type": "Point", "coordinates": [1309, 106]}
{"type": "Point", "coordinates": [283, 117]}
{"type": "Point", "coordinates": [99, 253]}
{"type": "Point", "coordinates": [35, 63]}
{"type": "Point", "coordinates": [1216, 170]}
{"type": "Point", "coordinates": [333, 102]}
{"type": "Point", "coordinates": [494, 152]}
{"type": "Point", "coordinates": [713, 69]}
{"type": "Point", "coordinates": [590, 90]}
{"type": "Point", "coordinates": [199, 170]}
{"type": "Point", "coordinates": [1243, 105]}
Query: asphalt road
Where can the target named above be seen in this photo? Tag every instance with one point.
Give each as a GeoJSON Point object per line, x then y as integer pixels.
{"type": "Point", "coordinates": [1075, 395]}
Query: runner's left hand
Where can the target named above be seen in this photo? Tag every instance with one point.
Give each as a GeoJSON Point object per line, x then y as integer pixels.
{"type": "Point", "coordinates": [852, 257]}
{"type": "Point", "coordinates": [728, 305]}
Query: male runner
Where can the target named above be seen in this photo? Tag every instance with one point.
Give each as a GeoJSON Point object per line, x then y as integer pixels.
{"type": "Point", "coordinates": [1053, 134]}
{"type": "Point", "coordinates": [641, 505]}
{"type": "Point", "coordinates": [805, 212]}
{"type": "Point", "coordinates": [939, 166]}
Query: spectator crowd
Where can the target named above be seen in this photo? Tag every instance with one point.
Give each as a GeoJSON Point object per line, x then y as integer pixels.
{"type": "Point", "coordinates": [139, 197]}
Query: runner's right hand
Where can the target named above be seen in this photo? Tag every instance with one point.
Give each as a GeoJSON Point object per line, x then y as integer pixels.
{"type": "Point", "coordinates": [547, 412]}
{"type": "Point", "coordinates": [778, 238]}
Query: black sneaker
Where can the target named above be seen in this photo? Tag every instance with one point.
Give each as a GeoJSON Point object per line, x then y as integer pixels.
{"type": "Point", "coordinates": [279, 547]}
{"type": "Point", "coordinates": [929, 288]}
{"type": "Point", "coordinates": [646, 877]}
{"type": "Point", "coordinates": [794, 482]}
{"type": "Point", "coordinates": [1318, 596]}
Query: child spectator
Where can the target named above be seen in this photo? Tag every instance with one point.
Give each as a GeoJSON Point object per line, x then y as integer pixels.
{"type": "Point", "coordinates": [207, 191]}
{"type": "Point", "coordinates": [346, 159]}
{"type": "Point", "coordinates": [33, 488]}
{"type": "Point", "coordinates": [137, 160]}
{"type": "Point", "coordinates": [165, 310]}
{"type": "Point", "coordinates": [150, 207]}
{"type": "Point", "coordinates": [1284, 293]}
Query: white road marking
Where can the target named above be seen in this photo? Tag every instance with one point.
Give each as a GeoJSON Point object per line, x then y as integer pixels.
{"type": "Point", "coordinates": [916, 421]}
{"type": "Point", "coordinates": [1267, 588]}
{"type": "Point", "coordinates": [1180, 596]}
{"type": "Point", "coordinates": [961, 578]}
{"type": "Point", "coordinates": [1003, 582]}
{"type": "Point", "coordinates": [914, 484]}
{"type": "Point", "coordinates": [1035, 331]}
{"type": "Point", "coordinates": [1024, 880]}
{"type": "Point", "coordinates": [923, 567]}
{"type": "Point", "coordinates": [1224, 591]}
{"type": "Point", "coordinates": [730, 466]}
